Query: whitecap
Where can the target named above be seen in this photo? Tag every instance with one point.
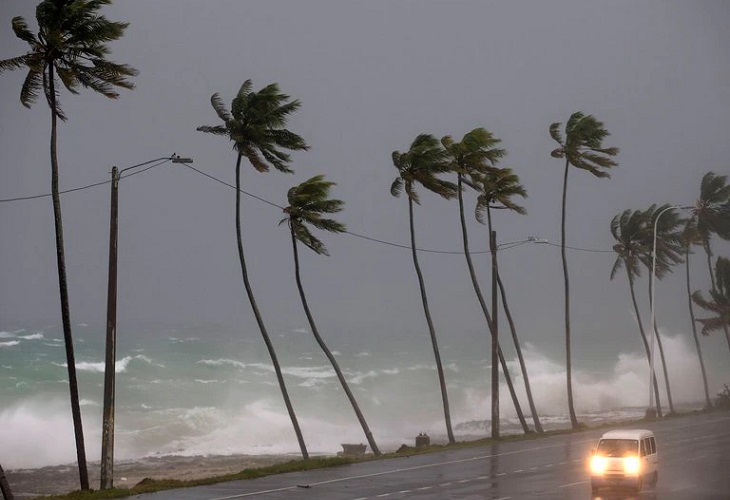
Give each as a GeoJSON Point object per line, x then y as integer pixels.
{"type": "Point", "coordinates": [221, 362]}
{"type": "Point", "coordinates": [9, 344]}
{"type": "Point", "coordinates": [34, 336]}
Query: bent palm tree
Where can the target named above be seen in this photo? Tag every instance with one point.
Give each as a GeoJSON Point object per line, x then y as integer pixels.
{"type": "Point", "coordinates": [470, 159]}
{"type": "Point", "coordinates": [583, 148]}
{"type": "Point", "coordinates": [691, 237]}
{"type": "Point", "coordinates": [719, 301]}
{"type": "Point", "coordinates": [5, 486]}
{"type": "Point", "coordinates": [629, 229]}
{"type": "Point", "coordinates": [256, 126]}
{"type": "Point", "coordinates": [497, 187]}
{"type": "Point", "coordinates": [70, 47]}
{"type": "Point", "coordinates": [668, 254]}
{"type": "Point", "coordinates": [421, 164]}
{"type": "Point", "coordinates": [711, 215]}
{"type": "Point", "coordinates": [307, 203]}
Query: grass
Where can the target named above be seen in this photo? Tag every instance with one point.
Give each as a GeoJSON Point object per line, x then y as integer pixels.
{"type": "Point", "coordinates": [151, 485]}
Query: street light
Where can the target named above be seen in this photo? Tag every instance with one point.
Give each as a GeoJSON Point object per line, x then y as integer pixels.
{"type": "Point", "coordinates": [107, 439]}
{"type": "Point", "coordinates": [650, 410]}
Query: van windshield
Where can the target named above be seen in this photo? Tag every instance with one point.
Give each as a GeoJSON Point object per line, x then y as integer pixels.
{"type": "Point", "coordinates": [618, 447]}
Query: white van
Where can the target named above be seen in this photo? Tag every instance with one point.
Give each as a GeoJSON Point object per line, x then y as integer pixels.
{"type": "Point", "coordinates": [625, 458]}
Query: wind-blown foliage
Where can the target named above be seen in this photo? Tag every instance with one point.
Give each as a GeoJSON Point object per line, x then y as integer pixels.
{"type": "Point", "coordinates": [70, 47]}
{"type": "Point", "coordinates": [308, 202]}
{"type": "Point", "coordinates": [719, 300]}
{"type": "Point", "coordinates": [474, 161]}
{"type": "Point", "coordinates": [256, 125]}
{"type": "Point", "coordinates": [582, 146]}
{"type": "Point", "coordinates": [421, 164]}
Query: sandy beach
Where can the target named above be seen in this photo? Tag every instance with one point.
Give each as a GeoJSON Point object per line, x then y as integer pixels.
{"type": "Point", "coordinates": [29, 483]}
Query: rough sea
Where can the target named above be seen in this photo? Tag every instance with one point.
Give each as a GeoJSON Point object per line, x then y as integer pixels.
{"type": "Point", "coordinates": [211, 389]}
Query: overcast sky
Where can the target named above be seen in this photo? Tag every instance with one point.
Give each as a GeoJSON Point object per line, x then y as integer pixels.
{"type": "Point", "coordinates": [371, 75]}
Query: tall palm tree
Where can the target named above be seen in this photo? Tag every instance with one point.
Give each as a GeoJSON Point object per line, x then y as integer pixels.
{"type": "Point", "coordinates": [421, 164]}
{"type": "Point", "coordinates": [307, 203]}
{"type": "Point", "coordinates": [719, 301]}
{"type": "Point", "coordinates": [711, 214]}
{"type": "Point", "coordinates": [629, 229]}
{"type": "Point", "coordinates": [582, 147]}
{"type": "Point", "coordinates": [470, 159]}
{"type": "Point", "coordinates": [690, 238]}
{"type": "Point", "coordinates": [668, 254]}
{"type": "Point", "coordinates": [256, 126]}
{"type": "Point", "coordinates": [496, 188]}
{"type": "Point", "coordinates": [5, 486]}
{"type": "Point", "coordinates": [70, 47]}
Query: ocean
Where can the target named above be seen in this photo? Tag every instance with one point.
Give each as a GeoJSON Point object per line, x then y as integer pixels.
{"type": "Point", "coordinates": [211, 390]}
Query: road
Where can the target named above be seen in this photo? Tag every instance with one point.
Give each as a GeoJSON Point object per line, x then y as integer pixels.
{"type": "Point", "coordinates": [694, 463]}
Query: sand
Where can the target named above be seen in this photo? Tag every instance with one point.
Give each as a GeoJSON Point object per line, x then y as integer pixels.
{"type": "Point", "coordinates": [29, 483]}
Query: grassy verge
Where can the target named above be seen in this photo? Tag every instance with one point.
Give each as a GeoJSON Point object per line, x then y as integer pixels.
{"type": "Point", "coordinates": [152, 485]}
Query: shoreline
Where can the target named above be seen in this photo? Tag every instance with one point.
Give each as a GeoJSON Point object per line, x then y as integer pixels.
{"type": "Point", "coordinates": [61, 479]}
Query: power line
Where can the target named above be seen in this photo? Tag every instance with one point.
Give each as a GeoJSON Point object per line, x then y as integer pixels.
{"type": "Point", "coordinates": [503, 246]}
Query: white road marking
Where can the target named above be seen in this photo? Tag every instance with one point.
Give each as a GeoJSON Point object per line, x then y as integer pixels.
{"type": "Point", "coordinates": [572, 484]}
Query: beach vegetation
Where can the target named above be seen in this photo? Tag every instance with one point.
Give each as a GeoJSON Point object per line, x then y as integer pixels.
{"type": "Point", "coordinates": [422, 164]}
{"type": "Point", "coordinates": [581, 145]}
{"type": "Point", "coordinates": [309, 202]}
{"type": "Point", "coordinates": [256, 124]}
{"type": "Point", "coordinates": [70, 49]}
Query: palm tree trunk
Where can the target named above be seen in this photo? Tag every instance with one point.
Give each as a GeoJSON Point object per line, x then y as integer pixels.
{"type": "Point", "coordinates": [643, 339]}
{"type": "Point", "coordinates": [63, 289]}
{"type": "Point", "coordinates": [485, 310]}
{"type": "Point", "coordinates": [259, 319]}
{"type": "Point", "coordinates": [708, 401]}
{"type": "Point", "coordinates": [568, 365]}
{"type": "Point", "coordinates": [708, 251]}
{"type": "Point", "coordinates": [330, 357]}
{"type": "Point", "coordinates": [5, 486]}
{"type": "Point", "coordinates": [518, 349]}
{"type": "Point", "coordinates": [431, 330]}
{"type": "Point", "coordinates": [664, 362]}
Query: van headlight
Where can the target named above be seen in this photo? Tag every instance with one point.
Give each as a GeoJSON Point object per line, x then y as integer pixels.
{"type": "Point", "coordinates": [632, 465]}
{"type": "Point", "coordinates": [598, 465]}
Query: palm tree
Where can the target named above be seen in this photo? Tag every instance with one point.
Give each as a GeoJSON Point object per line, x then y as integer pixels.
{"type": "Point", "coordinates": [5, 486]}
{"type": "Point", "coordinates": [307, 203]}
{"type": "Point", "coordinates": [256, 126]}
{"type": "Point", "coordinates": [496, 189]}
{"type": "Point", "coordinates": [421, 164]}
{"type": "Point", "coordinates": [629, 229]}
{"type": "Point", "coordinates": [668, 253]}
{"type": "Point", "coordinates": [719, 301]}
{"type": "Point", "coordinates": [70, 47]}
{"type": "Point", "coordinates": [711, 214]}
{"type": "Point", "coordinates": [691, 237]}
{"type": "Point", "coordinates": [583, 148]}
{"type": "Point", "coordinates": [470, 159]}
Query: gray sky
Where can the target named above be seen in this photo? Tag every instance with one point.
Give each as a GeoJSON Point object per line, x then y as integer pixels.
{"type": "Point", "coordinates": [370, 76]}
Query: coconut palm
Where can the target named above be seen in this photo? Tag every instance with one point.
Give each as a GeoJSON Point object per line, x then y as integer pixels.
{"type": "Point", "coordinates": [629, 229]}
{"type": "Point", "coordinates": [256, 126]}
{"type": "Point", "coordinates": [668, 254]}
{"type": "Point", "coordinates": [690, 238]}
{"type": "Point", "coordinates": [582, 147]}
{"type": "Point", "coordinates": [719, 301]}
{"type": "Point", "coordinates": [711, 215]}
{"type": "Point", "coordinates": [470, 159]}
{"type": "Point", "coordinates": [70, 48]}
{"type": "Point", "coordinates": [421, 164]}
{"type": "Point", "coordinates": [5, 486]}
{"type": "Point", "coordinates": [308, 202]}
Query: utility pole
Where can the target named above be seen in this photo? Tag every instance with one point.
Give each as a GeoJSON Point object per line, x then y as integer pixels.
{"type": "Point", "coordinates": [495, 339]}
{"type": "Point", "coordinates": [107, 438]}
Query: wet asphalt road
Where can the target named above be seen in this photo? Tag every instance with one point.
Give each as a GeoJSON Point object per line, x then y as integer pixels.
{"type": "Point", "coordinates": [694, 463]}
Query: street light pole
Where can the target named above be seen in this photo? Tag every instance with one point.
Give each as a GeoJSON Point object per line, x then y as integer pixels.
{"type": "Point", "coordinates": [650, 410]}
{"type": "Point", "coordinates": [107, 439]}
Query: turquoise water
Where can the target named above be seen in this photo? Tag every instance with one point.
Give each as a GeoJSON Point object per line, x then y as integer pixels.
{"type": "Point", "coordinates": [210, 389]}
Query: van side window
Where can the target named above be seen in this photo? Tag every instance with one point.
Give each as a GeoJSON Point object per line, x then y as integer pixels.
{"type": "Point", "coordinates": [644, 442]}
{"type": "Point", "coordinates": [652, 442]}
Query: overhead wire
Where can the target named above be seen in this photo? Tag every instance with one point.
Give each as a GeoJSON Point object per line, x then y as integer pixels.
{"type": "Point", "coordinates": [503, 246]}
